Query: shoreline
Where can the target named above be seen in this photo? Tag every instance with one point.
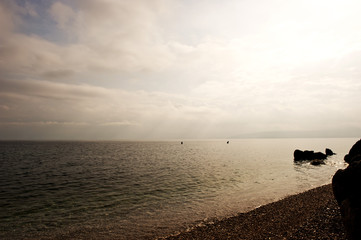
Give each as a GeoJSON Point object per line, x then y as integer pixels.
{"type": "Point", "coordinates": [313, 214]}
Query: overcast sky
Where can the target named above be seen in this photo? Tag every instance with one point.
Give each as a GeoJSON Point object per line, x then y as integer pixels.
{"type": "Point", "coordinates": [153, 69]}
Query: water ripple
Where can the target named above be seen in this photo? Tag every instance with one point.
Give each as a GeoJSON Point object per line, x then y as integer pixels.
{"type": "Point", "coordinates": [132, 190]}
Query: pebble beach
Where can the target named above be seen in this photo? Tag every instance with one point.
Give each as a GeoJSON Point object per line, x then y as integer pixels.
{"type": "Point", "coordinates": [313, 214]}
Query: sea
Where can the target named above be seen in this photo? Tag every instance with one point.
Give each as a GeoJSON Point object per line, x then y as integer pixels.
{"type": "Point", "coordinates": [148, 189]}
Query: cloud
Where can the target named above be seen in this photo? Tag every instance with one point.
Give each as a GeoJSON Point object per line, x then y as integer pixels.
{"type": "Point", "coordinates": [51, 90]}
{"type": "Point", "coordinates": [165, 69]}
{"type": "Point", "coordinates": [4, 107]}
{"type": "Point", "coordinates": [122, 35]}
{"type": "Point", "coordinates": [40, 104]}
{"type": "Point", "coordinates": [62, 14]}
{"type": "Point", "coordinates": [102, 36]}
{"type": "Point", "coordinates": [123, 123]}
{"type": "Point", "coordinates": [43, 123]}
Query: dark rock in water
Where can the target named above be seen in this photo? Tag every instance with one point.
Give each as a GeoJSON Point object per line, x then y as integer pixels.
{"type": "Point", "coordinates": [303, 155]}
{"type": "Point", "coordinates": [298, 155]}
{"type": "Point", "coordinates": [346, 186]}
{"type": "Point", "coordinates": [329, 152]}
{"type": "Point", "coordinates": [308, 155]}
{"type": "Point", "coordinates": [319, 156]}
{"type": "Point", "coordinates": [354, 153]}
{"type": "Point", "coordinates": [317, 162]}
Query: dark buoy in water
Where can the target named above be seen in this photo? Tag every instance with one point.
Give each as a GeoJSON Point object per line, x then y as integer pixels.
{"type": "Point", "coordinates": [181, 142]}
{"type": "Point", "coordinates": [227, 142]}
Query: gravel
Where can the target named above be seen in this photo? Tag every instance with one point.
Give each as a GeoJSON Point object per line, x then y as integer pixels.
{"type": "Point", "coordinates": [313, 214]}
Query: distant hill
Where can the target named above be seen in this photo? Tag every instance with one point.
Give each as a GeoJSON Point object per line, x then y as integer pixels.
{"type": "Point", "coordinates": [346, 133]}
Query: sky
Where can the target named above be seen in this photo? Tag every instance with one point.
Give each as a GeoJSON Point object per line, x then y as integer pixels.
{"type": "Point", "coordinates": [179, 69]}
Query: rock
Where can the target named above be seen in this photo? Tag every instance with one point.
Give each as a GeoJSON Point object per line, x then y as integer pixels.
{"type": "Point", "coordinates": [346, 186]}
{"type": "Point", "coordinates": [329, 152]}
{"type": "Point", "coordinates": [308, 155]}
{"type": "Point", "coordinates": [317, 162]}
{"type": "Point", "coordinates": [298, 155]}
{"type": "Point", "coordinates": [351, 216]}
{"type": "Point", "coordinates": [319, 156]}
{"type": "Point", "coordinates": [354, 153]}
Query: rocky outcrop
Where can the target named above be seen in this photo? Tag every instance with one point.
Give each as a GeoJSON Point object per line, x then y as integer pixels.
{"type": "Point", "coordinates": [329, 152]}
{"type": "Point", "coordinates": [308, 155]}
{"type": "Point", "coordinates": [346, 185]}
{"type": "Point", "coordinates": [315, 158]}
{"type": "Point", "coordinates": [354, 153]}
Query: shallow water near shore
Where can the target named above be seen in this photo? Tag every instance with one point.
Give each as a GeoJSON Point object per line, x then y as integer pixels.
{"type": "Point", "coordinates": [147, 189]}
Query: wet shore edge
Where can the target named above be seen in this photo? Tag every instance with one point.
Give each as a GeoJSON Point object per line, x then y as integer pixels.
{"type": "Point", "coordinates": [313, 214]}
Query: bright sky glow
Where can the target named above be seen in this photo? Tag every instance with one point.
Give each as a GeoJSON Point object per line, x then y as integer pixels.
{"type": "Point", "coordinates": [153, 69]}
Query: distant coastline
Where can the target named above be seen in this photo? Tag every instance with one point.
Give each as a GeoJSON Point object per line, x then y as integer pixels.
{"type": "Point", "coordinates": [350, 133]}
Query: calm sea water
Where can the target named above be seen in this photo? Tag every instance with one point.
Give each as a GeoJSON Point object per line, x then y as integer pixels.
{"type": "Point", "coordinates": [144, 190]}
